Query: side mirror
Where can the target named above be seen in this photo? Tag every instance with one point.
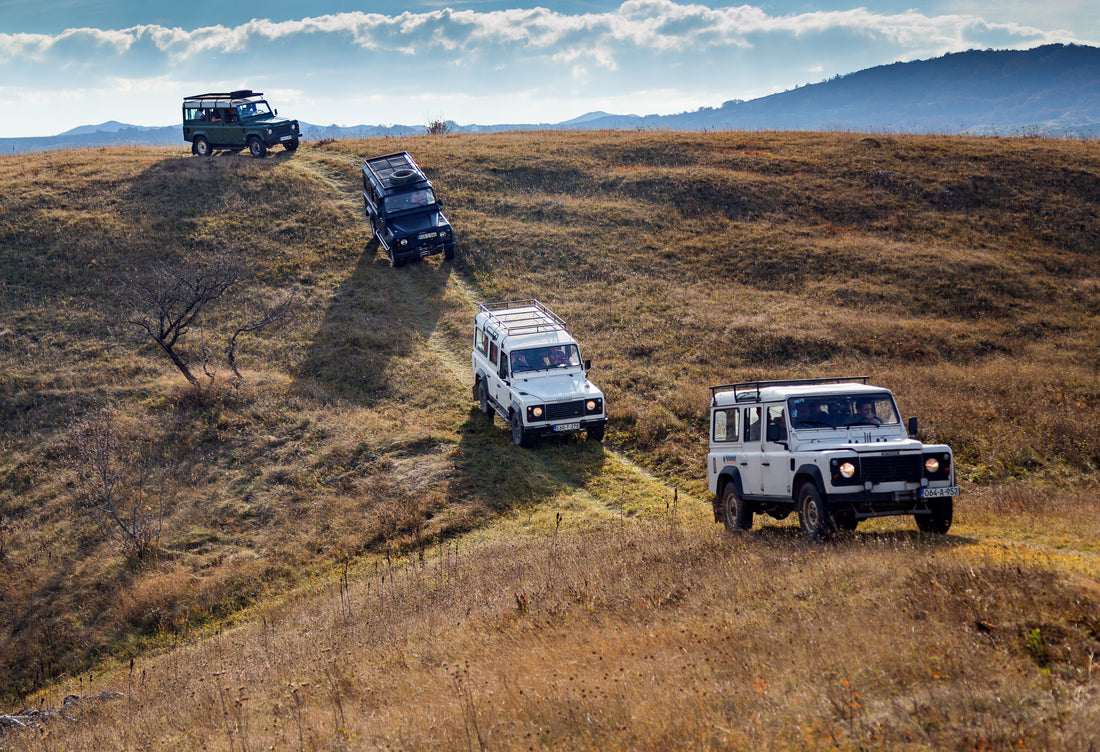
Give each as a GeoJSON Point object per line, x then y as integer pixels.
{"type": "Point", "coordinates": [439, 203]}
{"type": "Point", "coordinates": [588, 365]}
{"type": "Point", "coordinates": [276, 110]}
{"type": "Point", "coordinates": [913, 427]}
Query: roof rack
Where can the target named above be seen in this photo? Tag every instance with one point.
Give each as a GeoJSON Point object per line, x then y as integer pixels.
{"type": "Point", "coordinates": [523, 317]}
{"type": "Point", "coordinates": [755, 386]}
{"type": "Point", "coordinates": [238, 94]}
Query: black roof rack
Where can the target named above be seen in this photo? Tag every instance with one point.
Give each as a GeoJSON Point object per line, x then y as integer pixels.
{"type": "Point", "coordinates": [755, 386]}
{"type": "Point", "coordinates": [536, 320]}
{"type": "Point", "coordinates": [238, 94]}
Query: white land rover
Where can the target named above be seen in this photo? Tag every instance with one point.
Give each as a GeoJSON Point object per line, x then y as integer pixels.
{"type": "Point", "coordinates": [528, 369]}
{"type": "Point", "coordinates": [834, 450]}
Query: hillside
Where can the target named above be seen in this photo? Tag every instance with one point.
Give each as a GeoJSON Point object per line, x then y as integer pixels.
{"type": "Point", "coordinates": [350, 555]}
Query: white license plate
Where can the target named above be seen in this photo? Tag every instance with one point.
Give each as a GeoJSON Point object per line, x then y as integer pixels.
{"type": "Point", "coordinates": [568, 427]}
{"type": "Point", "coordinates": [288, 137]}
{"type": "Point", "coordinates": [426, 235]}
{"type": "Point", "coordinates": [935, 493]}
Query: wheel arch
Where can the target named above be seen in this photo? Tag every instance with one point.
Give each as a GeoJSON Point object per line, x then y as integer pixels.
{"type": "Point", "coordinates": [806, 473]}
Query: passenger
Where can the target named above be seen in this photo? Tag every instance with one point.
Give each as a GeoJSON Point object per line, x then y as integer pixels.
{"type": "Point", "coordinates": [867, 413]}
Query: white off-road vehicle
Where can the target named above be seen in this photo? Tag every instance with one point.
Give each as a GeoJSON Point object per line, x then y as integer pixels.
{"type": "Point", "coordinates": [834, 450]}
{"type": "Point", "coordinates": [528, 369]}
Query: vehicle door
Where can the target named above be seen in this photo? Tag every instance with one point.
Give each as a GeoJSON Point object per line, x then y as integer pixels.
{"type": "Point", "coordinates": [498, 383]}
{"type": "Point", "coordinates": [748, 461]}
{"type": "Point", "coordinates": [232, 132]}
{"type": "Point", "coordinates": [775, 473]}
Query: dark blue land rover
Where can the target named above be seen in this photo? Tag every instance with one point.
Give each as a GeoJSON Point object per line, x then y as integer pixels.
{"type": "Point", "coordinates": [404, 212]}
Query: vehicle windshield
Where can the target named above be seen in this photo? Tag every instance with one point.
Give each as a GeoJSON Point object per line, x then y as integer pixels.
{"type": "Point", "coordinates": [417, 199]}
{"type": "Point", "coordinates": [541, 358]}
{"type": "Point", "coordinates": [841, 411]}
{"type": "Point", "coordinates": [254, 109]}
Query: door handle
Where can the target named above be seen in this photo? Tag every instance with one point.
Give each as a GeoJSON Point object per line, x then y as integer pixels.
{"type": "Point", "coordinates": [766, 464]}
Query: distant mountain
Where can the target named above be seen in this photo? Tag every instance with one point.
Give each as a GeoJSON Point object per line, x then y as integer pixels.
{"type": "Point", "coordinates": [1052, 90]}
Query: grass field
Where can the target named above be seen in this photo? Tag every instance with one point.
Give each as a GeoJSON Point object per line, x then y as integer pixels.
{"type": "Point", "coordinates": [348, 555]}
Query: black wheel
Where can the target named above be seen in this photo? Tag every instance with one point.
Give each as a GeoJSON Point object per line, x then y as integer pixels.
{"type": "Point", "coordinates": [736, 515]}
{"type": "Point", "coordinates": [449, 251]}
{"type": "Point", "coordinates": [813, 514]}
{"type": "Point", "coordinates": [201, 146]}
{"type": "Point", "coordinates": [520, 437]}
{"type": "Point", "coordinates": [256, 147]}
{"type": "Point", "coordinates": [402, 176]}
{"type": "Point", "coordinates": [939, 522]}
{"type": "Point", "coordinates": [291, 145]}
{"type": "Point", "coordinates": [595, 433]}
{"type": "Point", "coordinates": [396, 261]}
{"type": "Point", "coordinates": [483, 399]}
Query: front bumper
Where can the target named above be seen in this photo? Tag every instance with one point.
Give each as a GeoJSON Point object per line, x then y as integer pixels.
{"type": "Point", "coordinates": [565, 427]}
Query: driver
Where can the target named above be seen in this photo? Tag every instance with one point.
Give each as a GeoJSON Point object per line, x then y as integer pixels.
{"type": "Point", "coordinates": [867, 413]}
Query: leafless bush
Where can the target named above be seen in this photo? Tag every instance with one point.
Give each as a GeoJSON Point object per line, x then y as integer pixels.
{"type": "Point", "coordinates": [112, 481]}
{"type": "Point", "coordinates": [438, 127]}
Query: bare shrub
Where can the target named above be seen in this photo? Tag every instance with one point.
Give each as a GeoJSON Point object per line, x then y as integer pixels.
{"type": "Point", "coordinates": [112, 481]}
{"type": "Point", "coordinates": [438, 127]}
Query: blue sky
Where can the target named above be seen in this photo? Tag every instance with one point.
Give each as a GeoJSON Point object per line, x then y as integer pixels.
{"type": "Point", "coordinates": [65, 63]}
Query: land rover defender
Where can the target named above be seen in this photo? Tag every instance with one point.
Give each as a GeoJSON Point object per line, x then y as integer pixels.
{"type": "Point", "coordinates": [833, 450]}
{"type": "Point", "coordinates": [234, 120]}
{"type": "Point", "coordinates": [527, 368]}
{"type": "Point", "coordinates": [404, 211]}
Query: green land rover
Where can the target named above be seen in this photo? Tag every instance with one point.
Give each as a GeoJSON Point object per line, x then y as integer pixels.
{"type": "Point", "coordinates": [234, 120]}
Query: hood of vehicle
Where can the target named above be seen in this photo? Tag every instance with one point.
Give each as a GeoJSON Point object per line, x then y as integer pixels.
{"type": "Point", "coordinates": [417, 222]}
{"type": "Point", "coordinates": [859, 441]}
{"type": "Point", "coordinates": [554, 387]}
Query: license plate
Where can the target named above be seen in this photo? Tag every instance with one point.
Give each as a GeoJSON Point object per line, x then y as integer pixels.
{"type": "Point", "coordinates": [288, 137]}
{"type": "Point", "coordinates": [935, 493]}
{"type": "Point", "coordinates": [426, 235]}
{"type": "Point", "coordinates": [568, 427]}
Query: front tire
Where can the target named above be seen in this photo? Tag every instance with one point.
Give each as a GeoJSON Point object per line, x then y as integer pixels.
{"type": "Point", "coordinates": [736, 515]}
{"type": "Point", "coordinates": [939, 522]}
{"type": "Point", "coordinates": [813, 514]}
{"type": "Point", "coordinates": [520, 437]}
{"type": "Point", "coordinates": [291, 145]}
{"type": "Point", "coordinates": [256, 147]}
{"type": "Point", "coordinates": [201, 147]}
{"type": "Point", "coordinates": [449, 252]}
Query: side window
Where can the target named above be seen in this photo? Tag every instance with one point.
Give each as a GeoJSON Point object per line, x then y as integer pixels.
{"type": "Point", "coordinates": [494, 351]}
{"type": "Point", "coordinates": [752, 424]}
{"type": "Point", "coordinates": [481, 342]}
{"type": "Point", "coordinates": [777, 424]}
{"type": "Point", "coordinates": [725, 425]}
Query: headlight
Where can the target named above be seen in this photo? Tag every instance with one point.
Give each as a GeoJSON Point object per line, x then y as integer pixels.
{"type": "Point", "coordinates": [932, 465]}
{"type": "Point", "coordinates": [267, 131]}
{"type": "Point", "coordinates": [536, 411]}
{"type": "Point", "coordinates": [593, 405]}
{"type": "Point", "coordinates": [404, 241]}
{"type": "Point", "coordinates": [847, 469]}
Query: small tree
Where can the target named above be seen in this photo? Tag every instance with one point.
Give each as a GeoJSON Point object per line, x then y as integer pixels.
{"type": "Point", "coordinates": [111, 476]}
{"type": "Point", "coordinates": [164, 304]}
{"type": "Point", "coordinates": [438, 127]}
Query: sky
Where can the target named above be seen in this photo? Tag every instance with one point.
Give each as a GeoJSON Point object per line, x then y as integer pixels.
{"type": "Point", "coordinates": [67, 63]}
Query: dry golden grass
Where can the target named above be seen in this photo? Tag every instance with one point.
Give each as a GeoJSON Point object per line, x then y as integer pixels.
{"type": "Point", "coordinates": [960, 272]}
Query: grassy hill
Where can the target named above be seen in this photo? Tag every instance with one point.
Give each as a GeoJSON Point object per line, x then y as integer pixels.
{"type": "Point", "coordinates": [349, 555]}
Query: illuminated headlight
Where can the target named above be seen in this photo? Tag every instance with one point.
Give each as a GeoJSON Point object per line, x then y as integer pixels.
{"type": "Point", "coordinates": [594, 405]}
{"type": "Point", "coordinates": [535, 412]}
{"type": "Point", "coordinates": [932, 465]}
{"type": "Point", "coordinates": [847, 469]}
{"type": "Point", "coordinates": [404, 241]}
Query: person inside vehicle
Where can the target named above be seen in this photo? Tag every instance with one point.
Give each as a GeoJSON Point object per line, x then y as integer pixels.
{"type": "Point", "coordinates": [866, 413]}
{"type": "Point", "coordinates": [519, 362]}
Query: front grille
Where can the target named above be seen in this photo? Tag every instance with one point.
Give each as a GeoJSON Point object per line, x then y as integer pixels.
{"type": "Point", "coordinates": [905, 467]}
{"type": "Point", "coordinates": [563, 410]}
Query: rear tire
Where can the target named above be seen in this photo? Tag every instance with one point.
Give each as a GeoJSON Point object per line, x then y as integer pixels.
{"type": "Point", "coordinates": [736, 515]}
{"type": "Point", "coordinates": [201, 147]}
{"type": "Point", "coordinates": [813, 514]}
{"type": "Point", "coordinates": [256, 147]}
{"type": "Point", "coordinates": [939, 522]}
{"type": "Point", "coordinates": [483, 400]}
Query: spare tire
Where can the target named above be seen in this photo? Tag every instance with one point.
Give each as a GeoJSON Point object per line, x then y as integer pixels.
{"type": "Point", "coordinates": [402, 176]}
